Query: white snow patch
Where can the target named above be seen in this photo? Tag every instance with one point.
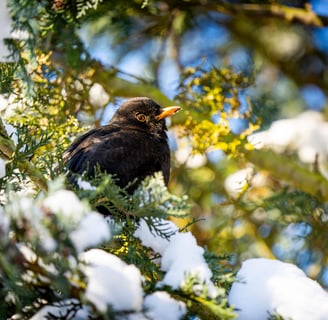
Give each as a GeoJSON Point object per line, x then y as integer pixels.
{"type": "Point", "coordinates": [111, 282]}
{"type": "Point", "coordinates": [98, 97]}
{"type": "Point", "coordinates": [236, 183]}
{"type": "Point", "coordinates": [183, 257]}
{"type": "Point", "coordinates": [4, 221]}
{"type": "Point", "coordinates": [27, 252]}
{"type": "Point", "coordinates": [93, 230]}
{"type": "Point", "coordinates": [6, 32]}
{"type": "Point", "coordinates": [184, 156]}
{"type": "Point", "coordinates": [85, 185]}
{"type": "Point", "coordinates": [24, 208]}
{"type": "Point", "coordinates": [66, 204]}
{"type": "Point", "coordinates": [274, 287]}
{"type": "Point", "coordinates": [306, 134]}
{"type": "Point", "coordinates": [2, 168]}
{"type": "Point", "coordinates": [151, 240]}
{"type": "Point", "coordinates": [161, 306]}
{"type": "Point", "coordinates": [12, 133]}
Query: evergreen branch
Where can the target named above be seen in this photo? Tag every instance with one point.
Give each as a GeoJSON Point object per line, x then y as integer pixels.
{"type": "Point", "coordinates": [209, 310]}
{"type": "Point", "coordinates": [8, 152]}
{"type": "Point", "coordinates": [190, 223]}
{"type": "Point", "coordinates": [123, 88]}
{"type": "Point", "coordinates": [35, 175]}
{"type": "Point", "coordinates": [6, 76]}
{"type": "Point", "coordinates": [205, 309]}
{"type": "Point", "coordinates": [301, 15]}
{"type": "Point", "coordinates": [83, 6]}
{"type": "Point", "coordinates": [7, 147]}
{"type": "Point", "coordinates": [293, 173]}
{"type": "Point", "coordinates": [152, 199]}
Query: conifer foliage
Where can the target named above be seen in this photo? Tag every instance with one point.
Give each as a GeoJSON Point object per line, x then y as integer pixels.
{"type": "Point", "coordinates": [65, 261]}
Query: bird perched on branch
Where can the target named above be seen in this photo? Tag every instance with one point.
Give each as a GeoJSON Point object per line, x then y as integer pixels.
{"type": "Point", "coordinates": [132, 146]}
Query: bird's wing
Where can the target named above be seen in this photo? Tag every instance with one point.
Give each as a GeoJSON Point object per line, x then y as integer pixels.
{"type": "Point", "coordinates": [79, 154]}
{"type": "Point", "coordinates": [128, 154]}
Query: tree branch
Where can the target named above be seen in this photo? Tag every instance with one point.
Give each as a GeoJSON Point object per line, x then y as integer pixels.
{"type": "Point", "coordinates": [305, 16]}
{"type": "Point", "coordinates": [7, 152]}
{"type": "Point", "coordinates": [123, 88]}
{"type": "Point", "coordinates": [291, 172]}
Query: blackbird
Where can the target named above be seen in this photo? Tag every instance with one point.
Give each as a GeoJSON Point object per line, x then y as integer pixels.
{"type": "Point", "coordinates": [132, 146]}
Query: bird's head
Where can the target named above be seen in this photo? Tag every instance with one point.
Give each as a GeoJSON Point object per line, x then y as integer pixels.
{"type": "Point", "coordinates": [143, 113]}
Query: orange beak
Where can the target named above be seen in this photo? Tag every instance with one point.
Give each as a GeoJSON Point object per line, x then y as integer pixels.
{"type": "Point", "coordinates": [167, 112]}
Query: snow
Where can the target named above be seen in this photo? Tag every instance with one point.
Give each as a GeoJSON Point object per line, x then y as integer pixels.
{"type": "Point", "coordinates": [263, 287]}
{"type": "Point", "coordinates": [273, 287]}
{"type": "Point", "coordinates": [84, 185]}
{"type": "Point", "coordinates": [98, 97]}
{"type": "Point", "coordinates": [181, 258]}
{"type": "Point", "coordinates": [161, 306]}
{"type": "Point", "coordinates": [306, 134]}
{"type": "Point", "coordinates": [237, 182]}
{"type": "Point", "coordinates": [183, 155]}
{"type": "Point", "coordinates": [32, 258]}
{"type": "Point", "coordinates": [86, 229]}
{"type": "Point", "coordinates": [4, 222]}
{"type": "Point", "coordinates": [66, 205]}
{"type": "Point", "coordinates": [5, 30]}
{"type": "Point", "coordinates": [21, 209]}
{"type": "Point", "coordinates": [93, 230]}
{"type": "Point", "coordinates": [111, 282]}
{"type": "Point", "coordinates": [12, 133]}
{"type": "Point", "coordinates": [151, 240]}
{"type": "Point", "coordinates": [28, 253]}
{"type": "Point", "coordinates": [2, 168]}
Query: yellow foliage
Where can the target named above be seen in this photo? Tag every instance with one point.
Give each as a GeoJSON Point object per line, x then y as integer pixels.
{"type": "Point", "coordinates": [212, 99]}
{"type": "Point", "coordinates": [45, 118]}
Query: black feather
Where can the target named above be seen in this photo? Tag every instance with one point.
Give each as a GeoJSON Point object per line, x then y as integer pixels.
{"type": "Point", "coordinates": [127, 147]}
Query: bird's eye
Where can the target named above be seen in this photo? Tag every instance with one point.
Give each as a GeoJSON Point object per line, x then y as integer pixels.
{"type": "Point", "coordinates": [141, 117]}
